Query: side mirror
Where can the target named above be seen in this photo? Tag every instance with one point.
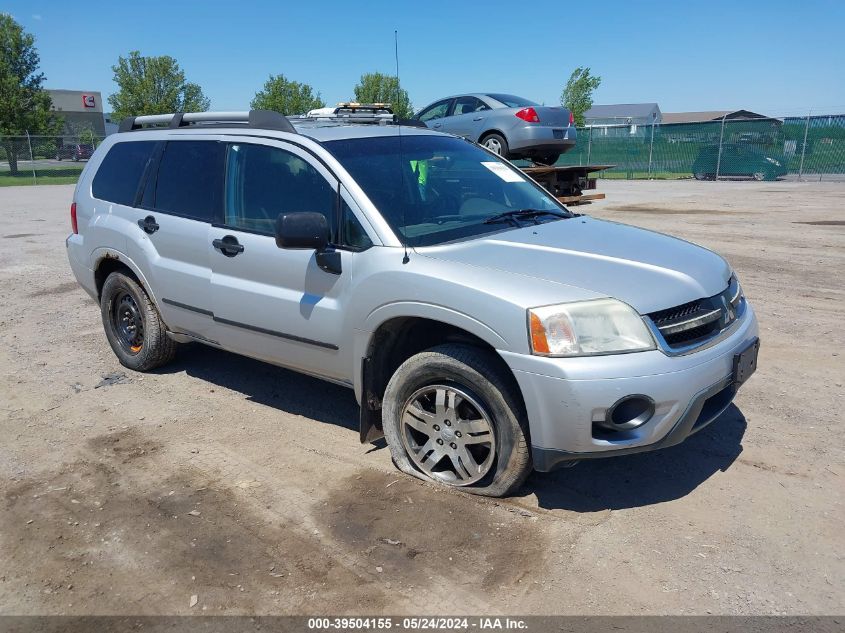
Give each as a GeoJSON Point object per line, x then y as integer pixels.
{"type": "Point", "coordinates": [303, 230]}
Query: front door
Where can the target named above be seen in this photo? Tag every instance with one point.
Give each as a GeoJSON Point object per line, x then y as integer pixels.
{"type": "Point", "coordinates": [435, 115]}
{"type": "Point", "coordinates": [270, 303]}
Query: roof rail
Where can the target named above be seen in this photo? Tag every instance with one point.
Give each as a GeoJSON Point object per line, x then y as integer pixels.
{"type": "Point", "coordinates": [262, 119]}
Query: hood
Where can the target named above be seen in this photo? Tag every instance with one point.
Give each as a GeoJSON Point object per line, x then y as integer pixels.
{"type": "Point", "coordinates": [647, 270]}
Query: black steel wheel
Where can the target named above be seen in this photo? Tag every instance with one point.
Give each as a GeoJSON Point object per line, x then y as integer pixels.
{"type": "Point", "coordinates": [128, 323]}
{"type": "Point", "coordinates": [133, 327]}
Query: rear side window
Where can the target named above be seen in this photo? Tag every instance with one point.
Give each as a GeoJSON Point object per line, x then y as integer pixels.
{"type": "Point", "coordinates": [120, 173]}
{"type": "Point", "coordinates": [190, 179]}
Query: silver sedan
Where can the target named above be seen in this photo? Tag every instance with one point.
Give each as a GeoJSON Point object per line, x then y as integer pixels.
{"type": "Point", "coordinates": [510, 126]}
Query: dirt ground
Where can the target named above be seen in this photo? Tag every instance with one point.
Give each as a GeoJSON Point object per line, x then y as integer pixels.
{"type": "Point", "coordinates": [244, 484]}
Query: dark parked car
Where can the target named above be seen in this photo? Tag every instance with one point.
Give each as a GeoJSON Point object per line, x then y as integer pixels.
{"type": "Point", "coordinates": [75, 151]}
{"type": "Point", "coordinates": [510, 126]}
{"type": "Point", "coordinates": [738, 161]}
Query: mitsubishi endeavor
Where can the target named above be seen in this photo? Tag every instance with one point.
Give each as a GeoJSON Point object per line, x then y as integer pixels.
{"type": "Point", "coordinates": [485, 329]}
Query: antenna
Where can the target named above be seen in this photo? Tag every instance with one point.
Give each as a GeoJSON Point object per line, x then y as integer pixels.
{"type": "Point", "coordinates": [405, 259]}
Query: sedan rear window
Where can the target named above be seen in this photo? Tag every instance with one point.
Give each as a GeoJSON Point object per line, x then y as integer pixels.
{"type": "Point", "coordinates": [512, 101]}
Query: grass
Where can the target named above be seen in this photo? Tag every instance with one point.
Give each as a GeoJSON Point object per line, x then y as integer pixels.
{"type": "Point", "coordinates": [49, 176]}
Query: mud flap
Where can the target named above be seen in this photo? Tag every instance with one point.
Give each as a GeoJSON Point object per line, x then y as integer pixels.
{"type": "Point", "coordinates": [370, 417]}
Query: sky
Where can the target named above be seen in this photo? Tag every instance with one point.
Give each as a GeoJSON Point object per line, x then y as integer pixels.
{"type": "Point", "coordinates": [768, 56]}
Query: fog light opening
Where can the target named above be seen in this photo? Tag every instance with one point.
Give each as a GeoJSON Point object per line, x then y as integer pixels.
{"type": "Point", "coordinates": [629, 413]}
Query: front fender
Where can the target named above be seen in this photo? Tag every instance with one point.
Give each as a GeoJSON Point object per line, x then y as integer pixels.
{"type": "Point", "coordinates": [421, 310]}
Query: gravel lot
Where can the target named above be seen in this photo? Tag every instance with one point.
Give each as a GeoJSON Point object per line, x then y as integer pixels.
{"type": "Point", "coordinates": [244, 485]}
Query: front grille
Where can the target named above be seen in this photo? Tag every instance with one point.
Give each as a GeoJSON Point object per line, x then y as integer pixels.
{"type": "Point", "coordinates": [693, 335]}
{"type": "Point", "coordinates": [695, 322]}
{"type": "Point", "coordinates": [676, 313]}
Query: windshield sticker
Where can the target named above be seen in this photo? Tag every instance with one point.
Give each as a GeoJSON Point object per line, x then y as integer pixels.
{"type": "Point", "coordinates": [503, 171]}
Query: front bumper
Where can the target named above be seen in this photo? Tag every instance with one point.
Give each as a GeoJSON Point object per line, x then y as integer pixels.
{"type": "Point", "coordinates": [564, 397]}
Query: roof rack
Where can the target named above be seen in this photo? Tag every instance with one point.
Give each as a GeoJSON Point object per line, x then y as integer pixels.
{"type": "Point", "coordinates": [263, 119]}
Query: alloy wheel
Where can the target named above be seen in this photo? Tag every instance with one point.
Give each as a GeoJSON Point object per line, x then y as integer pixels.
{"type": "Point", "coordinates": [493, 145]}
{"type": "Point", "coordinates": [448, 434]}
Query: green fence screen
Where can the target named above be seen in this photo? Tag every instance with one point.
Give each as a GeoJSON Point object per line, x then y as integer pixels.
{"type": "Point", "coordinates": [761, 148]}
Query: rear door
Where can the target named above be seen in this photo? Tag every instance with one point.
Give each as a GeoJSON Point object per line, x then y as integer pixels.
{"type": "Point", "coordinates": [468, 117]}
{"type": "Point", "coordinates": [270, 303]}
{"type": "Point", "coordinates": [182, 194]}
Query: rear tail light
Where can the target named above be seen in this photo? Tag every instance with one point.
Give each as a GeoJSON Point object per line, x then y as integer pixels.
{"type": "Point", "coordinates": [528, 114]}
{"type": "Point", "coordinates": [571, 118]}
{"type": "Point", "coordinates": [73, 223]}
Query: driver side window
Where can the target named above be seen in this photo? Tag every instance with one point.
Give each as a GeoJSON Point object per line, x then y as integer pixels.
{"type": "Point", "coordinates": [263, 181]}
{"type": "Point", "coordinates": [435, 111]}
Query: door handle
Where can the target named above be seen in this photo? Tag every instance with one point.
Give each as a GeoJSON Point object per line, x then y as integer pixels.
{"type": "Point", "coordinates": [149, 225]}
{"type": "Point", "coordinates": [229, 246]}
{"type": "Point", "coordinates": [478, 118]}
{"type": "Point", "coordinates": [437, 124]}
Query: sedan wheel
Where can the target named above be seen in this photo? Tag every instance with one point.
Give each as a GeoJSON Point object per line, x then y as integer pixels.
{"type": "Point", "coordinates": [496, 144]}
{"type": "Point", "coordinates": [493, 145]}
{"type": "Point", "coordinates": [448, 435]}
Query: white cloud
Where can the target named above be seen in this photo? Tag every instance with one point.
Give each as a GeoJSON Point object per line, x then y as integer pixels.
{"type": "Point", "coordinates": [36, 16]}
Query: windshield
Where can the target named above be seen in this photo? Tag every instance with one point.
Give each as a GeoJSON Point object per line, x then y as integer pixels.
{"type": "Point", "coordinates": [512, 102]}
{"type": "Point", "coordinates": [440, 188]}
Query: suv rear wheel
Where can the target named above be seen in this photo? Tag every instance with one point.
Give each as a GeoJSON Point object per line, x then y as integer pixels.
{"type": "Point", "coordinates": [451, 414]}
{"type": "Point", "coordinates": [133, 326]}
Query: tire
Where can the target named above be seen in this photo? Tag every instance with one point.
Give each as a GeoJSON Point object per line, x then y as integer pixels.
{"type": "Point", "coordinates": [760, 176]}
{"type": "Point", "coordinates": [548, 159]}
{"type": "Point", "coordinates": [134, 329]}
{"type": "Point", "coordinates": [494, 463]}
{"type": "Point", "coordinates": [496, 143]}
{"type": "Point", "coordinates": [701, 176]}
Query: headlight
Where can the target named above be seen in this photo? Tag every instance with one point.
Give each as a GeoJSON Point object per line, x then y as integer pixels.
{"type": "Point", "coordinates": [773, 161]}
{"type": "Point", "coordinates": [601, 326]}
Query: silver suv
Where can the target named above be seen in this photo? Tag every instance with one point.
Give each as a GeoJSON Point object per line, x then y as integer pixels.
{"type": "Point", "coordinates": [485, 329]}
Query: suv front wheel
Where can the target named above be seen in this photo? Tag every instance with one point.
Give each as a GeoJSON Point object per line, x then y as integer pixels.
{"type": "Point", "coordinates": [452, 414]}
{"type": "Point", "coordinates": [134, 329]}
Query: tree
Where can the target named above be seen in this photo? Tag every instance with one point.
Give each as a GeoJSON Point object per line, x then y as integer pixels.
{"type": "Point", "coordinates": [577, 96]}
{"type": "Point", "coordinates": [83, 131]}
{"type": "Point", "coordinates": [286, 97]}
{"type": "Point", "coordinates": [378, 88]}
{"type": "Point", "coordinates": [153, 85]}
{"type": "Point", "coordinates": [24, 104]}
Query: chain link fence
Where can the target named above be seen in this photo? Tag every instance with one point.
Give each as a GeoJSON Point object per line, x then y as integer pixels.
{"type": "Point", "coordinates": [43, 160]}
{"type": "Point", "coordinates": [810, 147]}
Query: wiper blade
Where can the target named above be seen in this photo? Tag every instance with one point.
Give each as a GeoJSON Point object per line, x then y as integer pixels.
{"type": "Point", "coordinates": [516, 214]}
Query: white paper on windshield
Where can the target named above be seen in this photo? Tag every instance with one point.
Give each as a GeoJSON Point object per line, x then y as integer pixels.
{"type": "Point", "coordinates": [503, 171]}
